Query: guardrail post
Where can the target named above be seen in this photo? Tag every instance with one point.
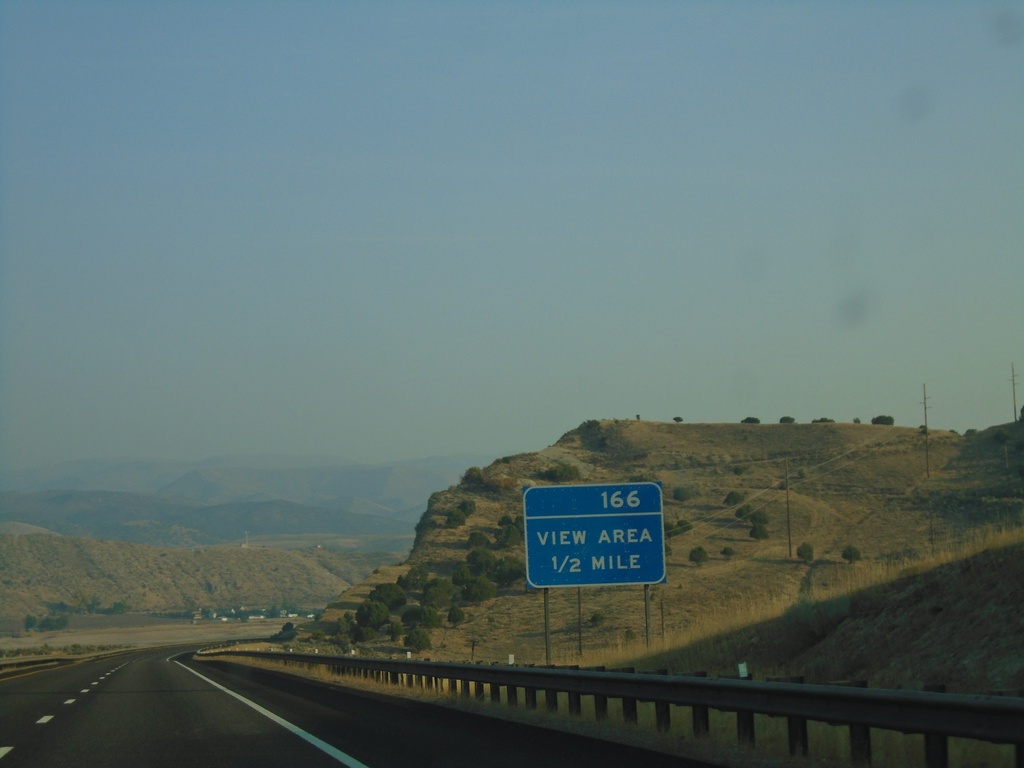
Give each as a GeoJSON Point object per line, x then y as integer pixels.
{"type": "Point", "coordinates": [745, 723]}
{"type": "Point", "coordinates": [575, 704]}
{"type": "Point", "coordinates": [663, 711]}
{"type": "Point", "coordinates": [512, 693]}
{"type": "Point", "coordinates": [628, 705]}
{"type": "Point", "coordinates": [531, 697]}
{"type": "Point", "coordinates": [795, 726]}
{"type": "Point", "coordinates": [453, 687]}
{"type": "Point", "coordinates": [1018, 746]}
{"type": "Point", "coordinates": [465, 689]}
{"type": "Point", "coordinates": [860, 735]}
{"type": "Point", "coordinates": [478, 687]}
{"type": "Point", "coordinates": [495, 693]}
{"type": "Point", "coordinates": [551, 699]}
{"type": "Point", "coordinates": [701, 716]}
{"type": "Point", "coordinates": [936, 745]}
{"type": "Point", "coordinates": [600, 702]}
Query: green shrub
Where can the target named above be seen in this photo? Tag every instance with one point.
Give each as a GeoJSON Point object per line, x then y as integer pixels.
{"type": "Point", "coordinates": [438, 592]}
{"type": "Point", "coordinates": [805, 552]}
{"type": "Point", "coordinates": [562, 472]}
{"type": "Point", "coordinates": [698, 555]}
{"type": "Point", "coordinates": [413, 615]}
{"type": "Point", "coordinates": [461, 574]}
{"type": "Point", "coordinates": [456, 615]}
{"type": "Point", "coordinates": [372, 614]}
{"type": "Point", "coordinates": [413, 579]}
{"type": "Point", "coordinates": [760, 516]}
{"type": "Point", "coordinates": [597, 618]}
{"type": "Point", "coordinates": [759, 532]}
{"type": "Point", "coordinates": [481, 562]}
{"type": "Point", "coordinates": [750, 420]}
{"type": "Point", "coordinates": [478, 589]}
{"type": "Point", "coordinates": [455, 518]}
{"type": "Point", "coordinates": [742, 513]}
{"type": "Point", "coordinates": [363, 634]}
{"type": "Point", "coordinates": [418, 640]}
{"type": "Point", "coordinates": [851, 554]}
{"type": "Point", "coordinates": [509, 570]}
{"type": "Point", "coordinates": [734, 497]}
{"type": "Point", "coordinates": [508, 536]}
{"type": "Point", "coordinates": [728, 551]}
{"type": "Point", "coordinates": [823, 420]}
{"type": "Point", "coordinates": [392, 595]}
{"type": "Point", "coordinates": [885, 420]}
{"type": "Point", "coordinates": [477, 539]}
{"type": "Point", "coordinates": [678, 528]}
{"type": "Point", "coordinates": [682, 493]}
{"type": "Point", "coordinates": [787, 420]}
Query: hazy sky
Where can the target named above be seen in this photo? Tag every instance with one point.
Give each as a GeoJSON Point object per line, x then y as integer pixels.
{"type": "Point", "coordinates": [392, 230]}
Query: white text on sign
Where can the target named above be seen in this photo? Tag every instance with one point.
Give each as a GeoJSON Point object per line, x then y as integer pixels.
{"type": "Point", "coordinates": [606, 536]}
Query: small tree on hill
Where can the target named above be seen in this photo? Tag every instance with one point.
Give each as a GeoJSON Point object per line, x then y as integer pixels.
{"type": "Point", "coordinates": [759, 532]}
{"type": "Point", "coordinates": [805, 552]}
{"type": "Point", "coordinates": [698, 555]}
{"type": "Point", "coordinates": [728, 552]}
{"type": "Point", "coordinates": [456, 615]}
{"type": "Point", "coordinates": [760, 516]}
{"type": "Point", "coordinates": [851, 554]}
{"type": "Point", "coordinates": [886, 420]}
{"type": "Point", "coordinates": [787, 420]}
{"type": "Point", "coordinates": [751, 420]}
{"type": "Point", "coordinates": [418, 640]}
{"type": "Point", "coordinates": [392, 595]}
{"type": "Point", "coordinates": [478, 589]}
{"type": "Point", "coordinates": [372, 614]}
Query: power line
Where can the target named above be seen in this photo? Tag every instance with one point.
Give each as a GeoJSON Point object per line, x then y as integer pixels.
{"type": "Point", "coordinates": [727, 516]}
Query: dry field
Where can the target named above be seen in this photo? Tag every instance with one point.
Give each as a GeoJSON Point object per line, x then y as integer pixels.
{"type": "Point", "coordinates": [137, 631]}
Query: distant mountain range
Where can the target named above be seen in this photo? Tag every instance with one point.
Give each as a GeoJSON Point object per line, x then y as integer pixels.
{"type": "Point", "coordinates": [222, 500]}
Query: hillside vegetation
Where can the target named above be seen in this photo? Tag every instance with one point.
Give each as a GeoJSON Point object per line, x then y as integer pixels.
{"type": "Point", "coordinates": [42, 574]}
{"type": "Point", "coordinates": [868, 492]}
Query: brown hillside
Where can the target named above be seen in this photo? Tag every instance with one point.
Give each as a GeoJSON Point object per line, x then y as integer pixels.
{"type": "Point", "coordinates": [38, 571]}
{"type": "Point", "coordinates": [854, 484]}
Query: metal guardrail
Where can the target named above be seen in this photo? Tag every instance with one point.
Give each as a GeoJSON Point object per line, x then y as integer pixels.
{"type": "Point", "coordinates": [936, 716]}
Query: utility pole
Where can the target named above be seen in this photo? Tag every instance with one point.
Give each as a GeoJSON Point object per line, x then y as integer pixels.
{"type": "Point", "coordinates": [1013, 383]}
{"type": "Point", "coordinates": [927, 468]}
{"type": "Point", "coordinates": [789, 529]}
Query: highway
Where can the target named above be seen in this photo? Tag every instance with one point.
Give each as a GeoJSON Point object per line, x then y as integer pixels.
{"type": "Point", "coordinates": [162, 708]}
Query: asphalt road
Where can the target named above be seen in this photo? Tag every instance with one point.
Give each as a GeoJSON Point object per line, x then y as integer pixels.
{"type": "Point", "coordinates": [154, 709]}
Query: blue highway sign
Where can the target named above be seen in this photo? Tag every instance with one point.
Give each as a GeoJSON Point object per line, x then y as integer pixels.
{"type": "Point", "coordinates": [594, 535]}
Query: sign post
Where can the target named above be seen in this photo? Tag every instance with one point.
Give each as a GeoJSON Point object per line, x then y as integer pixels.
{"type": "Point", "coordinates": [593, 535]}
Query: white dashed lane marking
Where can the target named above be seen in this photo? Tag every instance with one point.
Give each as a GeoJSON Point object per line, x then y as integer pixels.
{"type": "Point", "coordinates": [5, 750]}
{"type": "Point", "coordinates": [70, 701]}
{"type": "Point", "coordinates": [45, 719]}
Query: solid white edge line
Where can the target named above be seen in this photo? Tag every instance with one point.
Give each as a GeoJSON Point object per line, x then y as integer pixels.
{"type": "Point", "coordinates": [323, 746]}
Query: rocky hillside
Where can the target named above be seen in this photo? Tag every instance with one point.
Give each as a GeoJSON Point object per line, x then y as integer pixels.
{"type": "Point", "coordinates": [40, 574]}
{"type": "Point", "coordinates": [878, 488]}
